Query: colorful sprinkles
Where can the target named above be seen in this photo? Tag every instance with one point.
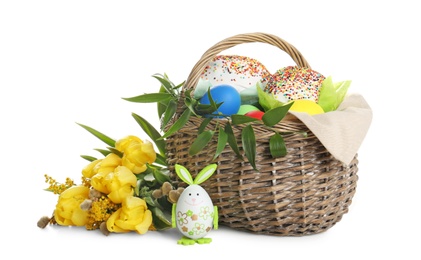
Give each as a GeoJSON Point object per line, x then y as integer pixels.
{"type": "Point", "coordinates": [295, 83]}
{"type": "Point", "coordinates": [289, 83]}
{"type": "Point", "coordinates": [239, 70]}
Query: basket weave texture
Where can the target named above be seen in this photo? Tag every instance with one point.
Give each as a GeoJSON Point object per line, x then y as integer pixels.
{"type": "Point", "coordinates": [305, 192]}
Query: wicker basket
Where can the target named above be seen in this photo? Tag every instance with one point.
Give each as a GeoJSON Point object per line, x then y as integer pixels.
{"type": "Point", "coordinates": [306, 192]}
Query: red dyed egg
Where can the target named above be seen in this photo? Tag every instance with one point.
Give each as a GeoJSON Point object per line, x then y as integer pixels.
{"type": "Point", "coordinates": [255, 114]}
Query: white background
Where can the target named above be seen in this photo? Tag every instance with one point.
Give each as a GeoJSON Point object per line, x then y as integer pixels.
{"type": "Point", "coordinates": [63, 62]}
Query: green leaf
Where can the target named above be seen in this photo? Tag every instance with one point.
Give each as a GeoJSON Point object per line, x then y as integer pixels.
{"type": "Point", "coordinates": [103, 152]}
{"type": "Point", "coordinates": [169, 113]}
{"type": "Point", "coordinates": [275, 115]}
{"type": "Point", "coordinates": [99, 135]}
{"type": "Point", "coordinates": [222, 142]}
{"type": "Point", "coordinates": [332, 94]}
{"type": "Point", "coordinates": [180, 85]}
{"type": "Point", "coordinates": [166, 83]}
{"type": "Point", "coordinates": [327, 95]}
{"type": "Point", "coordinates": [277, 146]}
{"type": "Point", "coordinates": [160, 176]}
{"type": "Point", "coordinates": [150, 98]}
{"type": "Point", "coordinates": [341, 90]}
{"type": "Point", "coordinates": [88, 158]}
{"type": "Point", "coordinates": [211, 101]}
{"type": "Point", "coordinates": [267, 100]}
{"type": "Point", "coordinates": [115, 151]}
{"type": "Point", "coordinates": [150, 201]}
{"type": "Point", "coordinates": [249, 144]}
{"type": "Point", "coordinates": [160, 220]}
{"type": "Point", "coordinates": [203, 125]}
{"type": "Point", "coordinates": [162, 160]}
{"type": "Point", "coordinates": [165, 204]}
{"type": "Point", "coordinates": [232, 141]}
{"type": "Point", "coordinates": [206, 109]}
{"type": "Point", "coordinates": [162, 106]}
{"type": "Point", "coordinates": [151, 132]}
{"type": "Point", "coordinates": [178, 124]}
{"type": "Point", "coordinates": [200, 142]}
{"type": "Point", "coordinates": [190, 103]}
{"type": "Point", "coordinates": [242, 119]}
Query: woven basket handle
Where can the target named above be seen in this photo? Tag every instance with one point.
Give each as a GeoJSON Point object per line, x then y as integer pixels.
{"type": "Point", "coordinates": [227, 43]}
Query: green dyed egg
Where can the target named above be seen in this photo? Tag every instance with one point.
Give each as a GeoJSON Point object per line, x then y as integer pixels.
{"type": "Point", "coordinates": [244, 109]}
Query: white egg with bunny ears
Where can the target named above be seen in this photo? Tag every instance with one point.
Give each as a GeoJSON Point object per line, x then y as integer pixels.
{"type": "Point", "coordinates": [194, 213]}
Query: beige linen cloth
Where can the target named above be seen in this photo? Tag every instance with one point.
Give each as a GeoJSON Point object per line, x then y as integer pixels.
{"type": "Point", "coordinates": [341, 131]}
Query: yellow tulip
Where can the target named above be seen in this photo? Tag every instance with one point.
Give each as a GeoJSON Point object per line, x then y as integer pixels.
{"type": "Point", "coordinates": [125, 142]}
{"type": "Point", "coordinates": [117, 184]}
{"type": "Point", "coordinates": [108, 164]}
{"type": "Point", "coordinates": [101, 169]}
{"type": "Point", "coordinates": [132, 216]}
{"type": "Point", "coordinates": [120, 183]}
{"type": "Point", "coordinates": [89, 171]}
{"type": "Point", "coordinates": [98, 182]}
{"type": "Point", "coordinates": [68, 211]}
{"type": "Point", "coordinates": [136, 153]}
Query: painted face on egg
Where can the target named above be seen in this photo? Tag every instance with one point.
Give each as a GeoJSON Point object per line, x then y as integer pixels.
{"type": "Point", "coordinates": [195, 197]}
{"type": "Point", "coordinates": [194, 212]}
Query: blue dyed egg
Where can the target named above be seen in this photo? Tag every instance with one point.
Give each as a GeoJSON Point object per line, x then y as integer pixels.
{"type": "Point", "coordinates": [228, 95]}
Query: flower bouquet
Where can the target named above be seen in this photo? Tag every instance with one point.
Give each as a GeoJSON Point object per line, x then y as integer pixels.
{"type": "Point", "coordinates": [129, 189]}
